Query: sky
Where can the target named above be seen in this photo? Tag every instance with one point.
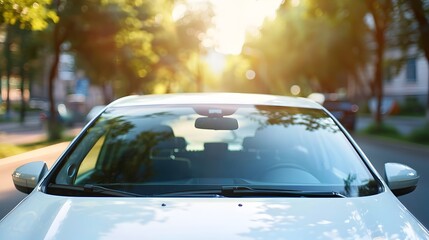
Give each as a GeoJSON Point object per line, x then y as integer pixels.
{"type": "Point", "coordinates": [233, 18]}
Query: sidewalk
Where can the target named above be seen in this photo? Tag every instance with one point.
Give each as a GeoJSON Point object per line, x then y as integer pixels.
{"type": "Point", "coordinates": [31, 123]}
{"type": "Point", "coordinates": [28, 132]}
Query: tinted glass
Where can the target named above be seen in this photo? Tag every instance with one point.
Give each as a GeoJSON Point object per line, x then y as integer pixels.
{"type": "Point", "coordinates": [159, 149]}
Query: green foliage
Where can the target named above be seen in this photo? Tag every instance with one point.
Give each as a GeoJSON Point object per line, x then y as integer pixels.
{"type": "Point", "coordinates": [382, 130]}
{"type": "Point", "coordinates": [111, 39]}
{"type": "Point", "coordinates": [7, 150]}
{"type": "Point", "coordinates": [135, 45]}
{"type": "Point", "coordinates": [179, 47]}
{"type": "Point", "coordinates": [29, 14]}
{"type": "Point", "coordinates": [234, 76]}
{"type": "Point", "coordinates": [321, 42]}
{"type": "Point", "coordinates": [420, 135]}
{"type": "Point", "coordinates": [412, 107]}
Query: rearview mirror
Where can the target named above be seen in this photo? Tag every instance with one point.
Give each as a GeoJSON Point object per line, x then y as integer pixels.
{"type": "Point", "coordinates": [400, 178]}
{"type": "Point", "coordinates": [216, 123]}
{"type": "Point", "coordinates": [26, 177]}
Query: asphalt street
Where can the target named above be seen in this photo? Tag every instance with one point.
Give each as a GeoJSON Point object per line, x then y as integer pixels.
{"type": "Point", "coordinates": [32, 130]}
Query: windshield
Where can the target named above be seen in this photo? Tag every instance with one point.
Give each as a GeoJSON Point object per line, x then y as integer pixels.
{"type": "Point", "coordinates": [166, 149]}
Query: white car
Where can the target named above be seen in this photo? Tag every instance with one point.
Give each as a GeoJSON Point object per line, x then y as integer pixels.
{"type": "Point", "coordinates": [212, 166]}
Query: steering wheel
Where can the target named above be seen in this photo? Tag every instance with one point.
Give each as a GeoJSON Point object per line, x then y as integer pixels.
{"type": "Point", "coordinates": [285, 165]}
{"type": "Point", "coordinates": [288, 173]}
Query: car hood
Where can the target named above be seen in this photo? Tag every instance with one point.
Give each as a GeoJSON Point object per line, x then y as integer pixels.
{"type": "Point", "coordinates": [42, 216]}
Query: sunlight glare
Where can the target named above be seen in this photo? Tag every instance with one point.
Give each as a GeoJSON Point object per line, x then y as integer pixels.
{"type": "Point", "coordinates": [250, 74]}
{"type": "Point", "coordinates": [295, 2]}
{"type": "Point", "coordinates": [233, 18]}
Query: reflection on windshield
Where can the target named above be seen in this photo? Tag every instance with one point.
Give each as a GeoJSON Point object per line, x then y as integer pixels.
{"type": "Point", "coordinates": [274, 147]}
{"type": "Point", "coordinates": [311, 119]}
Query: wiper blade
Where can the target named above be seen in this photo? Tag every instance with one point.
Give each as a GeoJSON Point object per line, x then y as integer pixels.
{"type": "Point", "coordinates": [88, 189]}
{"type": "Point", "coordinates": [192, 193]}
{"type": "Point", "coordinates": [244, 191]}
{"type": "Point", "coordinates": [108, 191]}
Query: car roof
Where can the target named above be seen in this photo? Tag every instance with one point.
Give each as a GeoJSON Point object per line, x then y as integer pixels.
{"type": "Point", "coordinates": [214, 98]}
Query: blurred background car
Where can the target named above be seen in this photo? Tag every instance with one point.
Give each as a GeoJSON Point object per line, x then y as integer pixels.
{"type": "Point", "coordinates": [343, 109]}
{"type": "Point", "coordinates": [64, 115]}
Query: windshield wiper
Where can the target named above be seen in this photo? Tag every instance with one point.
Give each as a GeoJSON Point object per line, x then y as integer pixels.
{"type": "Point", "coordinates": [225, 191]}
{"type": "Point", "coordinates": [88, 189]}
{"type": "Point", "coordinates": [108, 191]}
{"type": "Point", "coordinates": [244, 191]}
{"type": "Point", "coordinates": [192, 193]}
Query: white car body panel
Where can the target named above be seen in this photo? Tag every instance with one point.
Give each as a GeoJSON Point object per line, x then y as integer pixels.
{"type": "Point", "coordinates": [215, 98]}
{"type": "Point", "coordinates": [43, 216]}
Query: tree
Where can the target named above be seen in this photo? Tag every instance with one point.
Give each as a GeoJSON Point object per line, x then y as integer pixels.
{"type": "Point", "coordinates": [26, 15]}
{"type": "Point", "coordinates": [110, 35]}
{"type": "Point", "coordinates": [9, 66]}
{"type": "Point", "coordinates": [141, 46]}
{"type": "Point", "coordinates": [380, 12]}
{"type": "Point", "coordinates": [179, 47]}
{"type": "Point", "coordinates": [421, 17]}
{"type": "Point", "coordinates": [106, 53]}
{"type": "Point", "coordinates": [320, 44]}
{"type": "Point", "coordinates": [34, 15]}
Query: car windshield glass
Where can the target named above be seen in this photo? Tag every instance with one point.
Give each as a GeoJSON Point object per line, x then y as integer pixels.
{"type": "Point", "coordinates": [155, 150]}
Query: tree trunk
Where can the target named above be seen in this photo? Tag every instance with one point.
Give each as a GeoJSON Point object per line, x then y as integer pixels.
{"type": "Point", "coordinates": [381, 14]}
{"type": "Point", "coordinates": [22, 110]}
{"type": "Point", "coordinates": [107, 92]}
{"type": "Point", "coordinates": [22, 74]}
{"type": "Point", "coordinates": [378, 78]}
{"type": "Point", "coordinates": [54, 126]}
{"type": "Point", "coordinates": [8, 58]}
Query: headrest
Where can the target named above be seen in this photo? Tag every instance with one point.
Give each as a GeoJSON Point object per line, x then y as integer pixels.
{"type": "Point", "coordinates": [162, 129]}
{"type": "Point", "coordinates": [249, 143]}
{"type": "Point", "coordinates": [216, 147]}
{"type": "Point", "coordinates": [273, 137]}
{"type": "Point", "coordinates": [172, 143]}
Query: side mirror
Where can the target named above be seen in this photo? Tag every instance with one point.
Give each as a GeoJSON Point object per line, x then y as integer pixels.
{"type": "Point", "coordinates": [400, 178]}
{"type": "Point", "coordinates": [26, 177]}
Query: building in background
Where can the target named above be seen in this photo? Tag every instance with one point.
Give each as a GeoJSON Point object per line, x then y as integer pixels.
{"type": "Point", "coordinates": [72, 89]}
{"type": "Point", "coordinates": [407, 85]}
